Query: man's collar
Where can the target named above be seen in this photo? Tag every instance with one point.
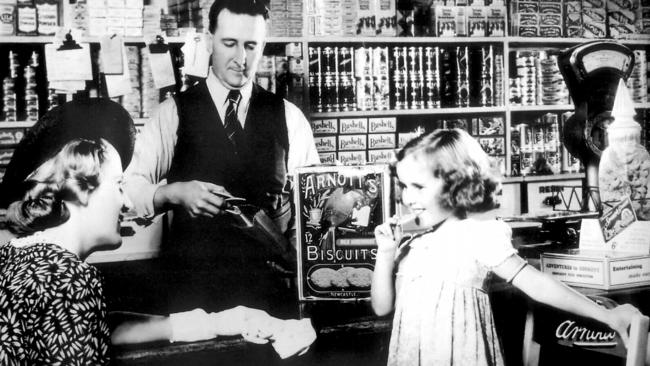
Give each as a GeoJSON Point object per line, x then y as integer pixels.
{"type": "Point", "coordinates": [220, 93]}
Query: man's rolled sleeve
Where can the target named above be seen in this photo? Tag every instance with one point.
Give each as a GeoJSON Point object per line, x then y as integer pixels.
{"type": "Point", "coordinates": [154, 151]}
{"type": "Point", "coordinates": [302, 149]}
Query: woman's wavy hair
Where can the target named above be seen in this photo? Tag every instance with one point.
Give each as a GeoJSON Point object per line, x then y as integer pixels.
{"type": "Point", "coordinates": [70, 176]}
{"type": "Point", "coordinates": [471, 183]}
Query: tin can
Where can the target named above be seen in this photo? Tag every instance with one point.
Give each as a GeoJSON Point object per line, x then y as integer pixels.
{"type": "Point", "coordinates": [362, 62]}
{"type": "Point", "coordinates": [527, 159]}
{"type": "Point", "coordinates": [552, 135]}
{"type": "Point", "coordinates": [364, 92]}
{"type": "Point", "coordinates": [380, 62]}
{"type": "Point", "coordinates": [526, 138]}
{"type": "Point", "coordinates": [315, 79]}
{"type": "Point", "coordinates": [416, 101]}
{"type": "Point", "coordinates": [538, 136]}
{"type": "Point", "coordinates": [462, 67]}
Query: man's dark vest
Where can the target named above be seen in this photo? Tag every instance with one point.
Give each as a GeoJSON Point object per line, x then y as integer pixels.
{"type": "Point", "coordinates": [257, 173]}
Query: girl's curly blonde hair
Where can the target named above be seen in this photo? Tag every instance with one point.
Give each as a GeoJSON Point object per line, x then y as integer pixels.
{"type": "Point", "coordinates": [471, 183]}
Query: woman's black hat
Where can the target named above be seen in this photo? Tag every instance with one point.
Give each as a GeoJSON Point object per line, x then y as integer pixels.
{"type": "Point", "coordinates": [90, 119]}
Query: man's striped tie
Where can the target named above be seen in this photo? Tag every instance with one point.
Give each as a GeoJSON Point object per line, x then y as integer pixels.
{"type": "Point", "coordinates": [231, 123]}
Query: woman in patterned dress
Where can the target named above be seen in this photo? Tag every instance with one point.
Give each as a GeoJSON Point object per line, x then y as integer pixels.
{"type": "Point", "coordinates": [65, 201]}
{"type": "Point", "coordinates": [436, 281]}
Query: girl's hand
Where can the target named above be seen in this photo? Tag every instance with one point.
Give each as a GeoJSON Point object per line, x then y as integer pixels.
{"type": "Point", "coordinates": [620, 318]}
{"type": "Point", "coordinates": [388, 236]}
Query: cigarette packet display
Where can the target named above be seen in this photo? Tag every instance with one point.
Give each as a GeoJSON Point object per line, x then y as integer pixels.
{"type": "Point", "coordinates": [325, 143]}
{"type": "Point", "coordinates": [338, 208]}
{"type": "Point", "coordinates": [352, 142]}
{"type": "Point", "coordinates": [382, 124]}
{"type": "Point", "coordinates": [353, 125]}
{"type": "Point", "coordinates": [351, 157]}
{"type": "Point", "coordinates": [381, 141]}
{"type": "Point", "coordinates": [598, 269]}
{"type": "Point", "coordinates": [328, 158]}
{"type": "Point", "coordinates": [324, 126]}
{"type": "Point", "coordinates": [384, 156]}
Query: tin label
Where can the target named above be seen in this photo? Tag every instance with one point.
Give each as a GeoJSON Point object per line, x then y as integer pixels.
{"type": "Point", "coordinates": [338, 209]}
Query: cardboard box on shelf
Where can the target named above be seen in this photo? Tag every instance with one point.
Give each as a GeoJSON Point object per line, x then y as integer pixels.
{"type": "Point", "coordinates": [598, 269]}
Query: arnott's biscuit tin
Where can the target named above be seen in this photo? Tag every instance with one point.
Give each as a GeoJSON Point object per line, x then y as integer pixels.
{"type": "Point", "coordinates": [337, 210]}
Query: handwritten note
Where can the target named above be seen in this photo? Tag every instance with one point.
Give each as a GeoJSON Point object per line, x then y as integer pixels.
{"type": "Point", "coordinates": [68, 65]}
{"type": "Point", "coordinates": [162, 69]}
{"type": "Point", "coordinates": [196, 55]}
{"type": "Point", "coordinates": [111, 52]}
{"type": "Point", "coordinates": [117, 85]}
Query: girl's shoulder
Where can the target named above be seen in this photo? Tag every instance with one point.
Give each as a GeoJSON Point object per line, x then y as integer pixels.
{"type": "Point", "coordinates": [481, 227]}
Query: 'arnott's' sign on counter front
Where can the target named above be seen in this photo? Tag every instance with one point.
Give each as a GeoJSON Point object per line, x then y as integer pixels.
{"type": "Point", "coordinates": [337, 209]}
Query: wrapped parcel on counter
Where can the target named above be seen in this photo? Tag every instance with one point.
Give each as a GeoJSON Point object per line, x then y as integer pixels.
{"type": "Point", "coordinates": [337, 210]}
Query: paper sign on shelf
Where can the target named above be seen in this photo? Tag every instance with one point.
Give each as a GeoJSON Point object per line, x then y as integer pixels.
{"type": "Point", "coordinates": [634, 239]}
{"type": "Point", "coordinates": [68, 65]}
{"type": "Point", "coordinates": [111, 50]}
{"type": "Point", "coordinates": [162, 69]}
{"type": "Point", "coordinates": [117, 85]}
{"type": "Point", "coordinates": [196, 55]}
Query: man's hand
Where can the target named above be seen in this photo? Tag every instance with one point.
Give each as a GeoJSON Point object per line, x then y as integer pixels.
{"type": "Point", "coordinates": [197, 198]}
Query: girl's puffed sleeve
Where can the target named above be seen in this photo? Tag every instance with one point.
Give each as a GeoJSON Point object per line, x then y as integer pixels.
{"type": "Point", "coordinates": [492, 245]}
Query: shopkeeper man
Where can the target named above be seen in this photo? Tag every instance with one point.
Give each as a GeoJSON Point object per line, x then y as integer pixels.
{"type": "Point", "coordinates": [223, 136]}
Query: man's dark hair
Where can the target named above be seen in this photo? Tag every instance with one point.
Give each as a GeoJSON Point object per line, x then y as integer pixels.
{"type": "Point", "coordinates": [247, 7]}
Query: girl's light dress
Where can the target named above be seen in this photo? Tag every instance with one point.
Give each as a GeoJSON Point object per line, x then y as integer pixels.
{"type": "Point", "coordinates": [442, 310]}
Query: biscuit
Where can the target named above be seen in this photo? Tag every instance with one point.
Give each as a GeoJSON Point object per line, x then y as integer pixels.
{"type": "Point", "coordinates": [360, 277]}
{"type": "Point", "coordinates": [322, 277]}
{"type": "Point", "coordinates": [341, 279]}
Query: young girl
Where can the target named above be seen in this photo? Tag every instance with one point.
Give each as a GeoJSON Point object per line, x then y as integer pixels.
{"type": "Point", "coordinates": [435, 282]}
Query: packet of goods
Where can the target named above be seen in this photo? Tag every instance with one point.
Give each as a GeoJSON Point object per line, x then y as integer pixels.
{"type": "Point", "coordinates": [292, 337]}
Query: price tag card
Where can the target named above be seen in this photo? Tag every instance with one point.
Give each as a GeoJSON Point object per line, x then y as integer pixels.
{"type": "Point", "coordinates": [111, 52]}
{"type": "Point", "coordinates": [196, 55]}
{"type": "Point", "coordinates": [162, 69]}
{"type": "Point", "coordinates": [67, 65]}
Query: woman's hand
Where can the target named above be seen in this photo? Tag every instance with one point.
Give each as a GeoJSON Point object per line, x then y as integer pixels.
{"type": "Point", "coordinates": [388, 235]}
{"type": "Point", "coordinates": [620, 318]}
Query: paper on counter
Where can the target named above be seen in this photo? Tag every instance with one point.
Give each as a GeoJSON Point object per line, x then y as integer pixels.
{"type": "Point", "coordinates": [293, 337]}
{"type": "Point", "coordinates": [68, 65]}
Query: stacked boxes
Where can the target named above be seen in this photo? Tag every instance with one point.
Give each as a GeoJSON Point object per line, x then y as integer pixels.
{"type": "Point", "coordinates": [550, 18]}
{"type": "Point", "coordinates": [351, 18]}
{"type": "Point", "coordinates": [538, 81]}
{"type": "Point", "coordinates": [150, 94]}
{"type": "Point", "coordinates": [594, 18]}
{"type": "Point", "coordinates": [360, 140]}
{"type": "Point", "coordinates": [121, 17]}
{"type": "Point", "coordinates": [285, 18]}
{"type": "Point", "coordinates": [624, 18]}
{"type": "Point", "coordinates": [133, 102]}
{"type": "Point", "coordinates": [525, 18]}
{"type": "Point", "coordinates": [573, 18]}
{"type": "Point", "coordinates": [637, 83]}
